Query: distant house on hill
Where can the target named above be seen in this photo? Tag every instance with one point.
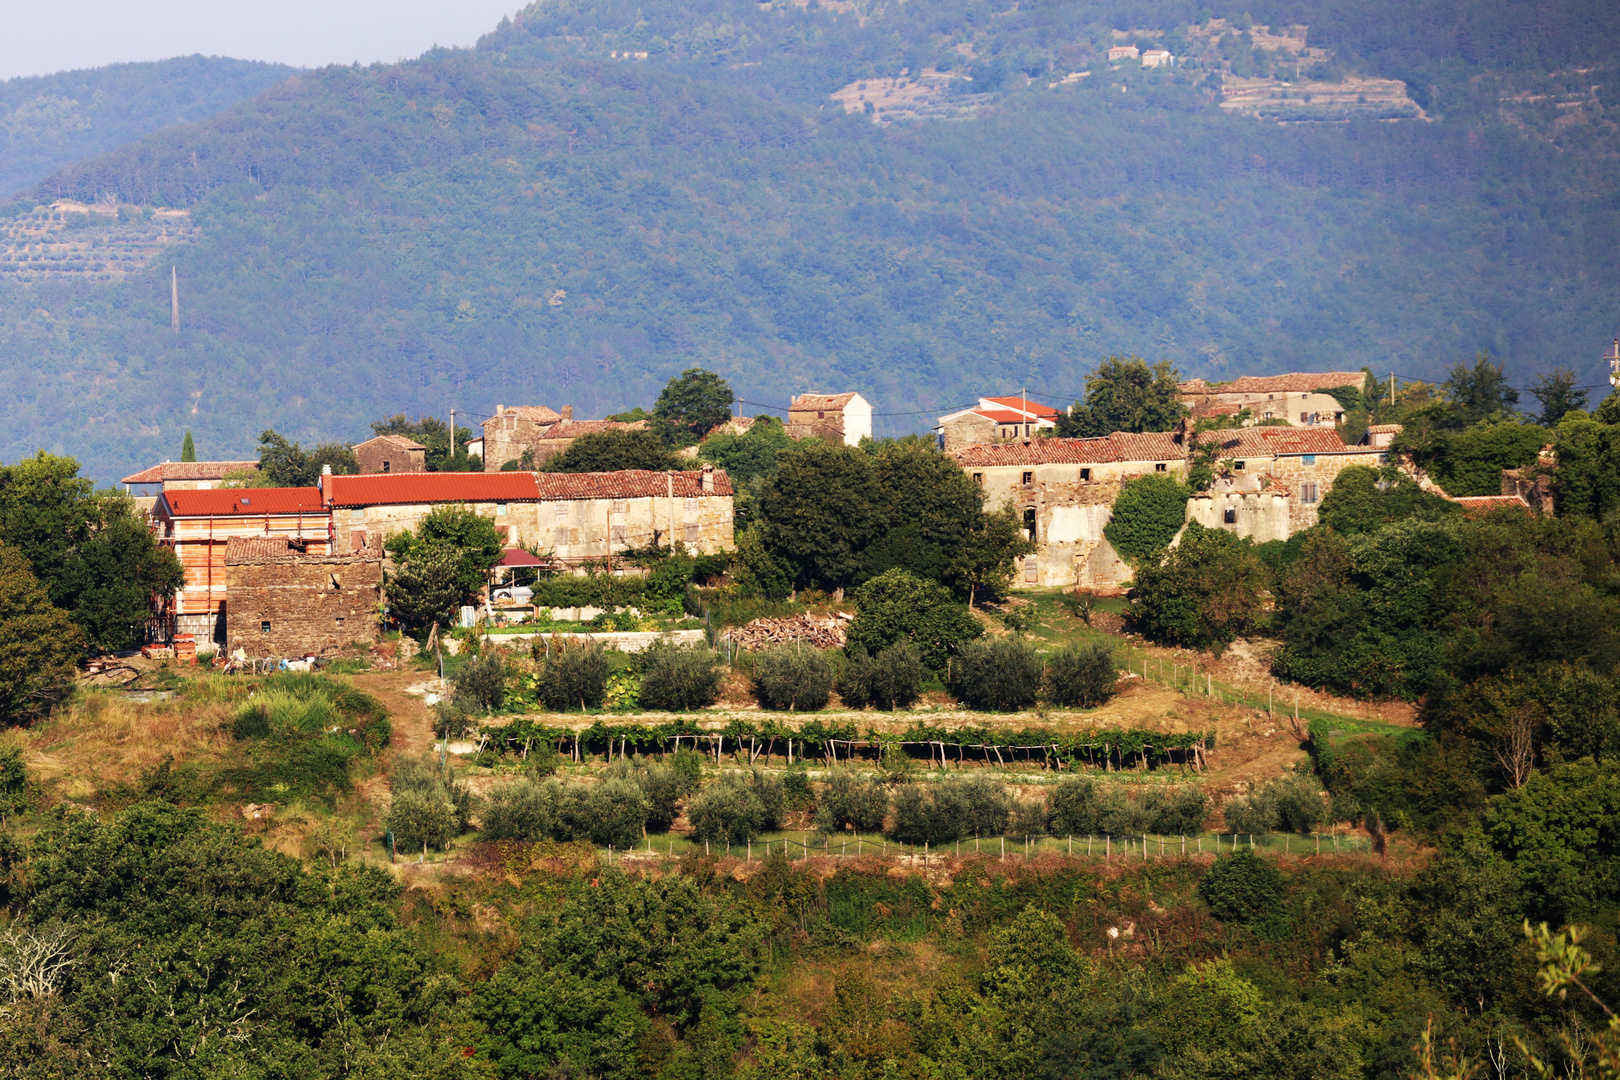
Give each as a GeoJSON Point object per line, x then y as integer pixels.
{"type": "Point", "coordinates": [198, 524]}
{"type": "Point", "coordinates": [540, 431]}
{"type": "Point", "coordinates": [1064, 491]}
{"type": "Point", "coordinates": [391, 454]}
{"type": "Point", "coordinates": [843, 418]}
{"type": "Point", "coordinates": [1278, 480]}
{"type": "Point", "coordinates": [995, 419]}
{"type": "Point", "coordinates": [187, 475]}
{"type": "Point", "coordinates": [1298, 399]}
{"type": "Point", "coordinates": [1153, 58]}
{"type": "Point", "coordinates": [1123, 52]}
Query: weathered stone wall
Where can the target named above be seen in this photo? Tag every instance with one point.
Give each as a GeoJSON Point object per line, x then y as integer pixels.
{"type": "Point", "coordinates": [970, 429]}
{"type": "Point", "coordinates": [308, 606]}
{"type": "Point", "coordinates": [1295, 471]}
{"type": "Point", "coordinates": [1258, 515]}
{"type": "Point", "coordinates": [1072, 505]}
{"type": "Point", "coordinates": [377, 456]}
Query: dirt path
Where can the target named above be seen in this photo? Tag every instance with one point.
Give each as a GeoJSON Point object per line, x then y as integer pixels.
{"type": "Point", "coordinates": [413, 723]}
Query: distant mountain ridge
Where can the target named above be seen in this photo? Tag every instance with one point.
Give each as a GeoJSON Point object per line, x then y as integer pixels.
{"type": "Point", "coordinates": [50, 121]}
{"type": "Point", "coordinates": [553, 218]}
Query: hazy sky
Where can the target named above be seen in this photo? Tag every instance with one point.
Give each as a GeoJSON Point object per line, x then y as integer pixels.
{"type": "Point", "coordinates": [41, 36]}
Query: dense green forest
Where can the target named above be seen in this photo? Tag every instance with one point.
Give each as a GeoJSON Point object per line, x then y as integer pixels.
{"type": "Point", "coordinates": [535, 220]}
{"type": "Point", "coordinates": [49, 122]}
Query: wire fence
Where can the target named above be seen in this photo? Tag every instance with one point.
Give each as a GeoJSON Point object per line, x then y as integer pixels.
{"type": "Point", "coordinates": [806, 845]}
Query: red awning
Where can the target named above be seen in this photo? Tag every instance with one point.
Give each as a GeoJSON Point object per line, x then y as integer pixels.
{"type": "Point", "coordinates": [519, 557]}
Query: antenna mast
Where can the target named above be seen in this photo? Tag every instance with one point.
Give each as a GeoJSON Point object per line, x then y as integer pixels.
{"type": "Point", "coordinates": [174, 298]}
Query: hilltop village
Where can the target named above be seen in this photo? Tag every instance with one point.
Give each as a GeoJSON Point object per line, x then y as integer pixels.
{"type": "Point", "coordinates": [298, 571]}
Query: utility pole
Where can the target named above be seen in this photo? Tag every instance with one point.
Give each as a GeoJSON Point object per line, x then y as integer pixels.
{"type": "Point", "coordinates": [1392, 388]}
{"type": "Point", "coordinates": [174, 298]}
{"type": "Point", "coordinates": [451, 454]}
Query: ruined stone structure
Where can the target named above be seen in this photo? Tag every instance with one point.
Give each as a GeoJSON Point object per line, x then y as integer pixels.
{"type": "Point", "coordinates": [1064, 491]}
{"type": "Point", "coordinates": [187, 475]}
{"type": "Point", "coordinates": [1293, 398]}
{"type": "Point", "coordinates": [287, 601]}
{"type": "Point", "coordinates": [391, 454]}
{"type": "Point", "coordinates": [1299, 464]}
{"type": "Point", "coordinates": [561, 435]}
{"type": "Point", "coordinates": [513, 430]}
{"type": "Point", "coordinates": [850, 415]}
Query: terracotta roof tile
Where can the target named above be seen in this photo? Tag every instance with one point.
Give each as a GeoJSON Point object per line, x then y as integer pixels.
{"type": "Point", "coordinates": [394, 440]}
{"type": "Point", "coordinates": [398, 489]}
{"type": "Point", "coordinates": [628, 484]}
{"type": "Point", "coordinates": [821, 401]}
{"type": "Point", "coordinates": [1298, 382]}
{"type": "Point", "coordinates": [187, 470]}
{"type": "Point", "coordinates": [1473, 505]}
{"type": "Point", "coordinates": [1270, 441]}
{"type": "Point", "coordinates": [241, 502]}
{"type": "Point", "coordinates": [263, 549]}
{"type": "Point", "coordinates": [1016, 402]}
{"type": "Point", "coordinates": [573, 429]}
{"type": "Point", "coordinates": [1120, 446]}
{"type": "Point", "coordinates": [1384, 429]}
{"type": "Point", "coordinates": [539, 414]}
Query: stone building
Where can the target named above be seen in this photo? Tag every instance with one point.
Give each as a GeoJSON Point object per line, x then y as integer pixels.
{"type": "Point", "coordinates": [995, 419]}
{"type": "Point", "coordinates": [289, 601]}
{"type": "Point", "coordinates": [391, 454]}
{"type": "Point", "coordinates": [561, 435]}
{"type": "Point", "coordinates": [198, 524]}
{"type": "Point", "coordinates": [849, 415]}
{"type": "Point", "coordinates": [1300, 465]}
{"type": "Point", "coordinates": [1294, 398]}
{"type": "Point", "coordinates": [576, 517]}
{"type": "Point", "coordinates": [513, 430]}
{"type": "Point", "coordinates": [1064, 491]}
{"type": "Point", "coordinates": [186, 475]}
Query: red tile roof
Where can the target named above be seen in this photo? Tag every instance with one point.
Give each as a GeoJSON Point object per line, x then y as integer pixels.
{"type": "Point", "coordinates": [1269, 441]}
{"type": "Point", "coordinates": [629, 484]}
{"type": "Point", "coordinates": [573, 429]}
{"type": "Point", "coordinates": [820, 401]}
{"type": "Point", "coordinates": [187, 470]}
{"type": "Point", "coordinates": [398, 489]}
{"type": "Point", "coordinates": [1474, 505]}
{"type": "Point", "coordinates": [1007, 416]}
{"type": "Point", "coordinates": [519, 557]}
{"type": "Point", "coordinates": [263, 549]}
{"type": "Point", "coordinates": [393, 440]}
{"type": "Point", "coordinates": [1120, 446]}
{"type": "Point", "coordinates": [240, 502]}
{"type": "Point", "coordinates": [1299, 382]}
{"type": "Point", "coordinates": [1025, 403]}
{"type": "Point", "coordinates": [1384, 429]}
{"type": "Point", "coordinates": [539, 414]}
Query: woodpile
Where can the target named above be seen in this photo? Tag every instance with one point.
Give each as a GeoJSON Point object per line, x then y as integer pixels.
{"type": "Point", "coordinates": [817, 631]}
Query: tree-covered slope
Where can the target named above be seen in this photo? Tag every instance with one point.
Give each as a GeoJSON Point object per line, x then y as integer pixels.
{"type": "Point", "coordinates": [51, 121]}
{"type": "Point", "coordinates": [539, 220]}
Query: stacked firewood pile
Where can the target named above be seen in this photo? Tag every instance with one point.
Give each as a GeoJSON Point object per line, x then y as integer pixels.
{"type": "Point", "coordinates": [817, 631]}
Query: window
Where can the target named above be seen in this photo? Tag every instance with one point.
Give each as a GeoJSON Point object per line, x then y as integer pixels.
{"type": "Point", "coordinates": [1231, 517]}
{"type": "Point", "coordinates": [560, 537]}
{"type": "Point", "coordinates": [1239, 465]}
{"type": "Point", "coordinates": [1085, 474]}
{"type": "Point", "coordinates": [339, 620]}
{"type": "Point", "coordinates": [1308, 459]}
{"type": "Point", "coordinates": [358, 514]}
{"type": "Point", "coordinates": [500, 509]}
{"type": "Point", "coordinates": [562, 511]}
{"type": "Point", "coordinates": [620, 506]}
{"type": "Point", "coordinates": [1310, 493]}
{"type": "Point", "coordinates": [1161, 467]}
{"type": "Point", "coordinates": [821, 416]}
{"type": "Point", "coordinates": [264, 628]}
{"type": "Point", "coordinates": [1029, 522]}
{"type": "Point", "coordinates": [1029, 478]}
{"type": "Point", "coordinates": [386, 464]}
{"type": "Point", "coordinates": [978, 478]}
{"type": "Point", "coordinates": [1304, 418]}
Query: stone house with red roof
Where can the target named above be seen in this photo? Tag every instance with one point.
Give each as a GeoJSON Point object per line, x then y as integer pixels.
{"type": "Point", "coordinates": [199, 524]}
{"type": "Point", "coordinates": [995, 419]}
{"type": "Point", "coordinates": [391, 454]}
{"type": "Point", "coordinates": [538, 430]}
{"type": "Point", "coordinates": [1064, 491]}
{"type": "Point", "coordinates": [1298, 399]}
{"type": "Point", "coordinates": [576, 517]}
{"type": "Point", "coordinates": [1277, 479]}
{"type": "Point", "coordinates": [187, 475]}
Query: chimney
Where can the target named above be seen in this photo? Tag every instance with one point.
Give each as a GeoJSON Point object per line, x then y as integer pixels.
{"type": "Point", "coordinates": [500, 410]}
{"type": "Point", "coordinates": [325, 484]}
{"type": "Point", "coordinates": [707, 484]}
{"type": "Point", "coordinates": [567, 412]}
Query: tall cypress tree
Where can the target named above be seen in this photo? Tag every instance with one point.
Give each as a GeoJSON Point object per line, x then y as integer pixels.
{"type": "Point", "coordinates": [188, 449]}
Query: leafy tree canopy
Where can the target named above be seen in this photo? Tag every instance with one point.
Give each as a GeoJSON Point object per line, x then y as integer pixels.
{"type": "Point", "coordinates": [286, 464]}
{"type": "Point", "coordinates": [1126, 394]}
{"type": "Point", "coordinates": [1479, 392]}
{"type": "Point", "coordinates": [434, 434]}
{"type": "Point", "coordinates": [1206, 592]}
{"type": "Point", "coordinates": [188, 449]}
{"type": "Point", "coordinates": [1149, 512]}
{"type": "Point", "coordinates": [899, 606]}
{"type": "Point", "coordinates": [1559, 392]}
{"type": "Point", "coordinates": [754, 454]}
{"type": "Point", "coordinates": [609, 451]}
{"type": "Point", "coordinates": [1364, 500]}
{"type": "Point", "coordinates": [693, 404]}
{"type": "Point", "coordinates": [39, 646]}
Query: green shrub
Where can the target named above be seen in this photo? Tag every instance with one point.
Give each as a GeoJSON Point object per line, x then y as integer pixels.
{"type": "Point", "coordinates": [688, 766]}
{"type": "Point", "coordinates": [996, 674]}
{"type": "Point", "coordinates": [890, 680]}
{"type": "Point", "coordinates": [481, 682]}
{"type": "Point", "coordinates": [661, 786]}
{"type": "Point", "coordinates": [796, 790]}
{"type": "Point", "coordinates": [1081, 676]}
{"type": "Point", "coordinates": [899, 606]}
{"type": "Point", "coordinates": [1028, 817]}
{"type": "Point", "coordinates": [424, 776]}
{"type": "Point", "coordinates": [574, 677]}
{"type": "Point", "coordinates": [794, 677]}
{"type": "Point", "coordinates": [613, 812]}
{"type": "Point", "coordinates": [525, 810]}
{"type": "Point", "coordinates": [950, 810]}
{"type": "Point", "coordinates": [618, 814]}
{"type": "Point", "coordinates": [679, 677]}
{"type": "Point", "coordinates": [1147, 514]}
{"type": "Point", "coordinates": [1288, 804]}
{"type": "Point", "coordinates": [451, 720]}
{"type": "Point", "coordinates": [1081, 807]}
{"type": "Point", "coordinates": [849, 803]}
{"type": "Point", "coordinates": [1242, 887]}
{"type": "Point", "coordinates": [736, 809]}
{"type": "Point", "coordinates": [421, 820]}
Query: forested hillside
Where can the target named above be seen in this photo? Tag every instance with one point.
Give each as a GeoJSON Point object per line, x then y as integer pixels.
{"type": "Point", "coordinates": [51, 121]}
{"type": "Point", "coordinates": [601, 195]}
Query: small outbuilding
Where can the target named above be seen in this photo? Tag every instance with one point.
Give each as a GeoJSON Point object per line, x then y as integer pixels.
{"type": "Point", "coordinates": [288, 599]}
